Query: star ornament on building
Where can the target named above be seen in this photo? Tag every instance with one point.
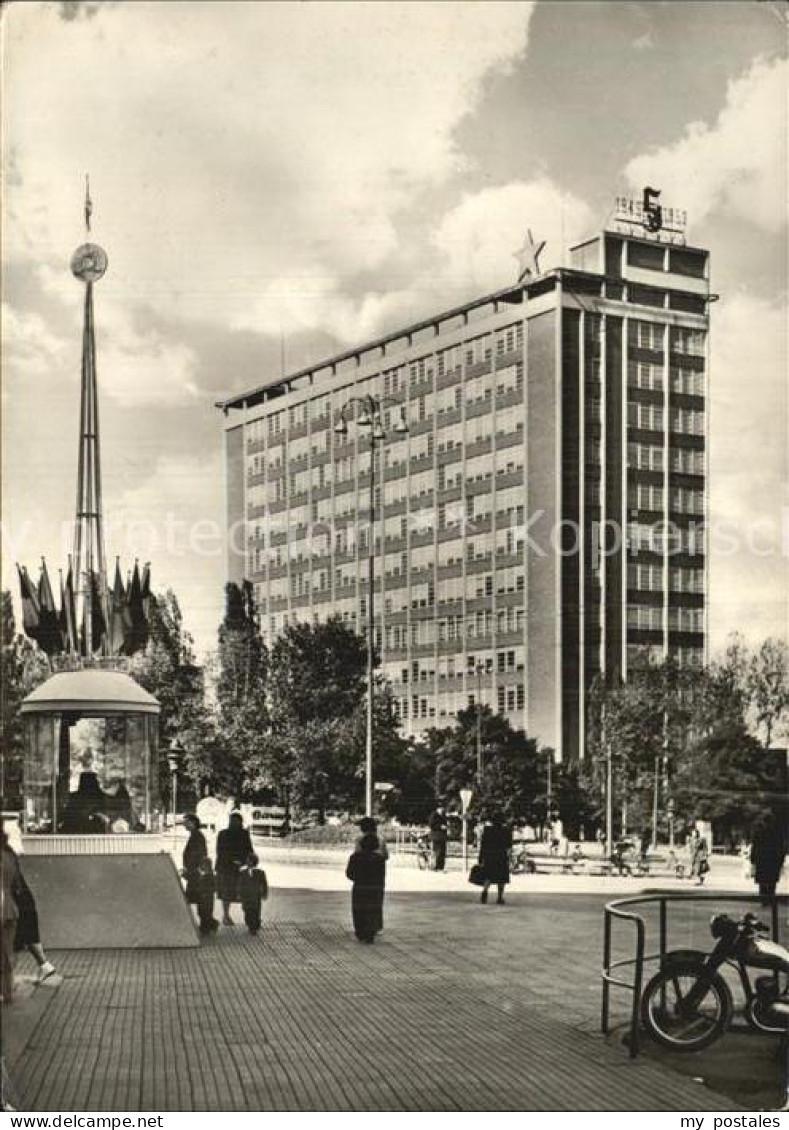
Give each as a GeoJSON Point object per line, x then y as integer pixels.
{"type": "Point", "coordinates": [528, 257]}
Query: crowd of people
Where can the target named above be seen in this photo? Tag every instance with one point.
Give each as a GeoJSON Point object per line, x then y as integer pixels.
{"type": "Point", "coordinates": [238, 877]}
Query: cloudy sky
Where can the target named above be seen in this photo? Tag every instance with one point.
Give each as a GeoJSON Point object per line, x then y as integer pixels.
{"type": "Point", "coordinates": [288, 179]}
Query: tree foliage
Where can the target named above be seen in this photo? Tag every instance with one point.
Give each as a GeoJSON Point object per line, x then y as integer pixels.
{"type": "Point", "coordinates": [168, 669]}
{"type": "Point", "coordinates": [241, 688]}
{"type": "Point", "coordinates": [513, 778]}
{"type": "Point", "coordinates": [317, 673]}
{"type": "Point", "coordinates": [23, 666]}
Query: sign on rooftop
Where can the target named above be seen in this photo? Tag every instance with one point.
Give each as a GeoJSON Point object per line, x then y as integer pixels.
{"type": "Point", "coordinates": [648, 218]}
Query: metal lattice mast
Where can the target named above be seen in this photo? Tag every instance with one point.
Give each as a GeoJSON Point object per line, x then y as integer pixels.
{"type": "Point", "coordinates": [88, 264]}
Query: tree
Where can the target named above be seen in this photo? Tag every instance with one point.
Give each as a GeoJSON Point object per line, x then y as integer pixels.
{"type": "Point", "coordinates": [317, 684]}
{"type": "Point", "coordinates": [767, 681]}
{"type": "Point", "coordinates": [511, 780]}
{"type": "Point", "coordinates": [167, 668]}
{"type": "Point", "coordinates": [318, 671]}
{"type": "Point", "coordinates": [645, 726]}
{"type": "Point", "coordinates": [724, 779]}
{"type": "Point", "coordinates": [23, 666]}
{"type": "Point", "coordinates": [241, 687]}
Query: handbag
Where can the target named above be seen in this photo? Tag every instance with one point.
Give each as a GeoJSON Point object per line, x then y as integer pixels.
{"type": "Point", "coordinates": [263, 885]}
{"type": "Point", "coordinates": [476, 875]}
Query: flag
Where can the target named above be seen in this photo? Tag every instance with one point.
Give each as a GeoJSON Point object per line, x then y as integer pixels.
{"type": "Point", "coordinates": [31, 614]}
{"type": "Point", "coordinates": [138, 636]}
{"type": "Point", "coordinates": [98, 622]}
{"type": "Point", "coordinates": [49, 637]}
{"type": "Point", "coordinates": [88, 204]}
{"type": "Point", "coordinates": [145, 591]}
{"type": "Point", "coordinates": [68, 614]}
{"type": "Point", "coordinates": [120, 618]}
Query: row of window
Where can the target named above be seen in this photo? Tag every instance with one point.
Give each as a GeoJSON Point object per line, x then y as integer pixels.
{"type": "Point", "coordinates": [649, 617]}
{"type": "Point", "coordinates": [644, 655]}
{"type": "Point", "coordinates": [650, 417]}
{"type": "Point", "coordinates": [643, 375]}
{"type": "Point", "coordinates": [650, 457]}
{"type": "Point", "coordinates": [652, 335]}
{"type": "Point", "coordinates": [649, 578]}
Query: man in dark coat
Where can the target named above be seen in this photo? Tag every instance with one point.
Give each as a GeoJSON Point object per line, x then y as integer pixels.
{"type": "Point", "coordinates": [438, 837]}
{"type": "Point", "coordinates": [367, 871]}
{"type": "Point", "coordinates": [768, 852]}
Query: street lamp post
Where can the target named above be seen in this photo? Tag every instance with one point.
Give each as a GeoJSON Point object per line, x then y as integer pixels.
{"type": "Point", "coordinates": [370, 417]}
{"type": "Point", "coordinates": [174, 755]}
{"type": "Point", "coordinates": [465, 801]}
{"type": "Point", "coordinates": [480, 765]}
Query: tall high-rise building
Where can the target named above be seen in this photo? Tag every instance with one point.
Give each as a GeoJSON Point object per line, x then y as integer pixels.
{"type": "Point", "coordinates": [542, 520]}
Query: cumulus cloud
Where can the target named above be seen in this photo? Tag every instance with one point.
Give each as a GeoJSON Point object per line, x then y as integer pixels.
{"type": "Point", "coordinates": [324, 121]}
{"type": "Point", "coordinates": [29, 344]}
{"type": "Point", "coordinates": [735, 167]}
{"type": "Point", "coordinates": [476, 238]}
{"type": "Point", "coordinates": [138, 366]}
{"type": "Point", "coordinates": [749, 466]}
{"type": "Point", "coordinates": [174, 518]}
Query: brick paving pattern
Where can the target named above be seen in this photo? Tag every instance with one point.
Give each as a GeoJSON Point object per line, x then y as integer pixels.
{"type": "Point", "coordinates": [456, 1007]}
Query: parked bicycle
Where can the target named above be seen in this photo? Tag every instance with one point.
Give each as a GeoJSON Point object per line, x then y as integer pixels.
{"type": "Point", "coordinates": [521, 863]}
{"type": "Point", "coordinates": [688, 1005]}
{"type": "Point", "coordinates": [424, 853]}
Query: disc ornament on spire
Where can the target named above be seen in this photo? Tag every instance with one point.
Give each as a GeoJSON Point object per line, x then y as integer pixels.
{"type": "Point", "coordinates": [89, 262]}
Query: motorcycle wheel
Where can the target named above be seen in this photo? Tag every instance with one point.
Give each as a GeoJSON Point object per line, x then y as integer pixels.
{"type": "Point", "coordinates": [668, 1020]}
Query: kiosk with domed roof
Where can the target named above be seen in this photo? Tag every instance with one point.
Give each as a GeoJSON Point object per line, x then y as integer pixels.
{"type": "Point", "coordinates": [90, 754]}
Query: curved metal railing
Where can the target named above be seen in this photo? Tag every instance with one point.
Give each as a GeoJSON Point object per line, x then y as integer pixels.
{"type": "Point", "coordinates": [615, 910]}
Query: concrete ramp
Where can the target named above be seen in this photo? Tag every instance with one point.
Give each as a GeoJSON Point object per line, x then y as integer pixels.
{"type": "Point", "coordinates": [110, 902]}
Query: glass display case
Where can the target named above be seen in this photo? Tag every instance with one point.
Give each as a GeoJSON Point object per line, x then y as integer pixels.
{"type": "Point", "coordinates": [91, 755]}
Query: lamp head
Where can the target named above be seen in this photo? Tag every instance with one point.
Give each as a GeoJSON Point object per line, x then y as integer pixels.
{"type": "Point", "coordinates": [400, 426]}
{"type": "Point", "coordinates": [341, 427]}
{"type": "Point", "coordinates": [364, 420]}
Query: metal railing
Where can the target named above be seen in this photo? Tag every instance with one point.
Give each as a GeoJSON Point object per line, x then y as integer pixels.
{"type": "Point", "coordinates": [615, 910]}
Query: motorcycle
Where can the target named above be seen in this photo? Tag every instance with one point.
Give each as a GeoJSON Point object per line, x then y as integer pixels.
{"type": "Point", "coordinates": [688, 1005]}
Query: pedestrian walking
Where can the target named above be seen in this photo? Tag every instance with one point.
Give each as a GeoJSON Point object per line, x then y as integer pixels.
{"type": "Point", "coordinates": [28, 934]}
{"type": "Point", "coordinates": [233, 847]}
{"type": "Point", "coordinates": [367, 871]}
{"type": "Point", "coordinates": [10, 916]}
{"type": "Point", "coordinates": [768, 852]}
{"type": "Point", "coordinates": [437, 825]}
{"type": "Point", "coordinates": [252, 890]}
{"type": "Point", "coordinates": [494, 857]}
{"type": "Point", "coordinates": [699, 857]}
{"type": "Point", "coordinates": [199, 875]}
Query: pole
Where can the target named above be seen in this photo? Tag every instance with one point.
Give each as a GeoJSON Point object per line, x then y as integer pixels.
{"type": "Point", "coordinates": [175, 798]}
{"type": "Point", "coordinates": [550, 788]}
{"type": "Point", "coordinates": [368, 791]}
{"type": "Point", "coordinates": [480, 766]}
{"type": "Point", "coordinates": [655, 802]}
{"type": "Point", "coordinates": [465, 842]}
{"type": "Point", "coordinates": [609, 803]}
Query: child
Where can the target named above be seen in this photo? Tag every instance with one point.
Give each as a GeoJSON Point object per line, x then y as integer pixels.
{"type": "Point", "coordinates": [206, 886]}
{"type": "Point", "coordinates": [367, 871]}
{"type": "Point", "coordinates": [252, 890]}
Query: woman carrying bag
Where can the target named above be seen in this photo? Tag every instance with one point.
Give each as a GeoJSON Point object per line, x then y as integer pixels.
{"type": "Point", "coordinates": [494, 857]}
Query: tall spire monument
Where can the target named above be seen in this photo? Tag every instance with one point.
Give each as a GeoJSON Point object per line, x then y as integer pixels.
{"type": "Point", "coordinates": [88, 264]}
{"type": "Point", "coordinates": [93, 619]}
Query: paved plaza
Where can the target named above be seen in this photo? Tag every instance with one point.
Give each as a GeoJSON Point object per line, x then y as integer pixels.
{"type": "Point", "coordinates": [456, 1007]}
